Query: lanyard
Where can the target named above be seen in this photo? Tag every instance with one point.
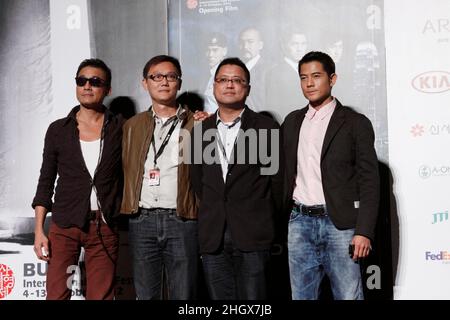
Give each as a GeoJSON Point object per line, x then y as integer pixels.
{"type": "Point", "coordinates": [165, 142]}
{"type": "Point", "coordinates": [220, 143]}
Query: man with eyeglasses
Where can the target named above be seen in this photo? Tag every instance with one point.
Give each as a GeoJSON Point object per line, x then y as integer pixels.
{"type": "Point", "coordinates": [84, 151]}
{"type": "Point", "coordinates": [157, 194]}
{"type": "Point", "coordinates": [238, 197]}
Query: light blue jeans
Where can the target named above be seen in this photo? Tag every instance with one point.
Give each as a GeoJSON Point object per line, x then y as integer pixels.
{"type": "Point", "coordinates": [315, 248]}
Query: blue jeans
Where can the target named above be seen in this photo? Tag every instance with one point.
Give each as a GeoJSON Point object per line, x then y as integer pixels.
{"type": "Point", "coordinates": [232, 274]}
{"type": "Point", "coordinates": [162, 242]}
{"type": "Point", "coordinates": [315, 248]}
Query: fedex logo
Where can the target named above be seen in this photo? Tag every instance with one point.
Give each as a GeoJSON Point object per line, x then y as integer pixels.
{"type": "Point", "coordinates": [443, 255]}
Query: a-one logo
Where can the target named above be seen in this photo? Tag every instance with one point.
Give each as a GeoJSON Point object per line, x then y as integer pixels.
{"type": "Point", "coordinates": [6, 281]}
{"type": "Point", "coordinates": [432, 82]}
{"type": "Point", "coordinates": [424, 172]}
{"type": "Point", "coordinates": [434, 171]}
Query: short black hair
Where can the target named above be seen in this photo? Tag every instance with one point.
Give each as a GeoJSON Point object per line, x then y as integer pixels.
{"type": "Point", "coordinates": [159, 59]}
{"type": "Point", "coordinates": [326, 61]}
{"type": "Point", "coordinates": [235, 62]}
{"type": "Point", "coordinates": [99, 64]}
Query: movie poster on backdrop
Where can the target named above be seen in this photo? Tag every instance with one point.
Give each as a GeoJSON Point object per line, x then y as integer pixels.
{"type": "Point", "coordinates": [270, 36]}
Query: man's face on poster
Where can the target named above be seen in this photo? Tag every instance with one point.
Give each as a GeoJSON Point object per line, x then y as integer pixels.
{"type": "Point", "coordinates": [215, 54]}
{"type": "Point", "coordinates": [296, 46]}
{"type": "Point", "coordinates": [335, 50]}
{"type": "Point", "coordinates": [250, 44]}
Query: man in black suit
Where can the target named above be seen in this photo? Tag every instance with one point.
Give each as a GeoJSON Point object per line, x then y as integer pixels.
{"type": "Point", "coordinates": [238, 182]}
{"type": "Point", "coordinates": [332, 185]}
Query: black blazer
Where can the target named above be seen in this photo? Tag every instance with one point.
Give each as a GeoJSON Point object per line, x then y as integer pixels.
{"type": "Point", "coordinates": [248, 200]}
{"type": "Point", "coordinates": [349, 168]}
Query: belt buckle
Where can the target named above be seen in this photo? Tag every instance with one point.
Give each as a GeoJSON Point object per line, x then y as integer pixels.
{"type": "Point", "coordinates": [316, 211]}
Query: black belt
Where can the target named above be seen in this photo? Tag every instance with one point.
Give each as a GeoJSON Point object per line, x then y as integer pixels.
{"type": "Point", "coordinates": [156, 210]}
{"type": "Point", "coordinates": [312, 211]}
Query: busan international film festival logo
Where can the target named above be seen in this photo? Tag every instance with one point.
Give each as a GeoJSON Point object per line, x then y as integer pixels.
{"type": "Point", "coordinates": [432, 82]}
{"type": "Point", "coordinates": [6, 281]}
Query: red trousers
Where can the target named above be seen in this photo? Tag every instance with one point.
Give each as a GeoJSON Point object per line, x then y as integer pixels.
{"type": "Point", "coordinates": [100, 260]}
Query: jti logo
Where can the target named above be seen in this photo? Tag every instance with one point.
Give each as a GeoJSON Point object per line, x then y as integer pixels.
{"type": "Point", "coordinates": [440, 217]}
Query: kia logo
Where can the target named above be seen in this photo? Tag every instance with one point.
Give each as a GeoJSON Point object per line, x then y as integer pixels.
{"type": "Point", "coordinates": [432, 82]}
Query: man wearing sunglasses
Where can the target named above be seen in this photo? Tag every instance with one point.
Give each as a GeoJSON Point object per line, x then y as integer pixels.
{"type": "Point", "coordinates": [157, 193]}
{"type": "Point", "coordinates": [84, 151]}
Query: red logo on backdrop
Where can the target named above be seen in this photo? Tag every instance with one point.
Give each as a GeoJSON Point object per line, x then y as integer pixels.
{"type": "Point", "coordinates": [6, 281]}
{"type": "Point", "coordinates": [192, 4]}
{"type": "Point", "coordinates": [432, 82]}
{"type": "Point", "coordinates": [417, 130]}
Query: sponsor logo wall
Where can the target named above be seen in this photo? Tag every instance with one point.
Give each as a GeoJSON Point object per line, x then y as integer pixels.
{"type": "Point", "coordinates": [418, 92]}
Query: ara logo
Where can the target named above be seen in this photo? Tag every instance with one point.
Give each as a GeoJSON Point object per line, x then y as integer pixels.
{"type": "Point", "coordinates": [432, 82]}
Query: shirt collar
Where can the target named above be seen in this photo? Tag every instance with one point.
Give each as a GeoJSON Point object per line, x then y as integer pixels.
{"type": "Point", "coordinates": [323, 112]}
{"type": "Point", "coordinates": [235, 121]}
{"type": "Point", "coordinates": [180, 114]}
{"type": "Point", "coordinates": [73, 114]}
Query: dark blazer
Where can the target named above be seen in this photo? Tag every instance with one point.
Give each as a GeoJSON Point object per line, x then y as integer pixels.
{"type": "Point", "coordinates": [349, 168]}
{"type": "Point", "coordinates": [246, 203]}
{"type": "Point", "coordinates": [63, 160]}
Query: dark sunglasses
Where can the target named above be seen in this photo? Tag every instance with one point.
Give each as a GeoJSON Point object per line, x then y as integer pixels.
{"type": "Point", "coordinates": [94, 81]}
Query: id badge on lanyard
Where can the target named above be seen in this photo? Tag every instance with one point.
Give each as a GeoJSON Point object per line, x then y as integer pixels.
{"type": "Point", "coordinates": [154, 177]}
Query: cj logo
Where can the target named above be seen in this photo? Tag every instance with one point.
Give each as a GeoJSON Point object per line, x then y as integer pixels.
{"type": "Point", "coordinates": [432, 82]}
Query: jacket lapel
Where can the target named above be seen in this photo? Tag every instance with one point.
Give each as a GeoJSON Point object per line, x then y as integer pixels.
{"type": "Point", "coordinates": [247, 121]}
{"type": "Point", "coordinates": [295, 134]}
{"type": "Point", "coordinates": [336, 122]}
{"type": "Point", "coordinates": [212, 124]}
